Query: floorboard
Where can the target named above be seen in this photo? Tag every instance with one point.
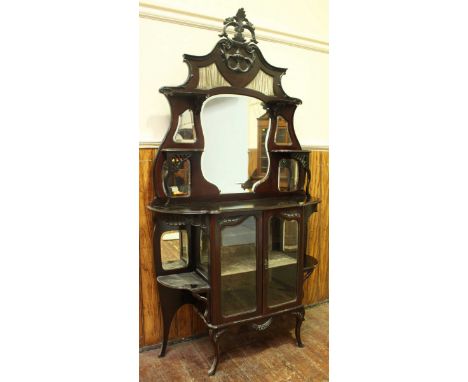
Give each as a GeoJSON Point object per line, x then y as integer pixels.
{"type": "Point", "coordinates": [249, 356]}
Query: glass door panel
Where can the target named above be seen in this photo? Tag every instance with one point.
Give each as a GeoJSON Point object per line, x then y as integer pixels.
{"type": "Point", "coordinates": [203, 254]}
{"type": "Point", "coordinates": [281, 264]}
{"type": "Point", "coordinates": [239, 268]}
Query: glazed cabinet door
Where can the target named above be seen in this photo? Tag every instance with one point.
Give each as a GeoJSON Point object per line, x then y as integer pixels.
{"type": "Point", "coordinates": [239, 267]}
{"type": "Point", "coordinates": [282, 260]}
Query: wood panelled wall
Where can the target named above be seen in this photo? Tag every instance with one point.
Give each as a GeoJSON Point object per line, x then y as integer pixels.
{"type": "Point", "coordinates": [187, 322]}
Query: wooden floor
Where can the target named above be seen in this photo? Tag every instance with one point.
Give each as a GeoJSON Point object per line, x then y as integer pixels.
{"type": "Point", "coordinates": [271, 355]}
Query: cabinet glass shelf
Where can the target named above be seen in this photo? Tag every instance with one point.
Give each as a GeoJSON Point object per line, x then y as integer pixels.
{"type": "Point", "coordinates": [243, 262]}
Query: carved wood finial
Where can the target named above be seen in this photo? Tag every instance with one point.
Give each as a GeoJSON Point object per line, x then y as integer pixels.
{"type": "Point", "coordinates": [239, 22]}
{"type": "Point", "coordinates": [238, 53]}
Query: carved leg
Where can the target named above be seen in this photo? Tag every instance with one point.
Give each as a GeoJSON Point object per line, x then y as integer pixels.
{"type": "Point", "coordinates": [171, 301]}
{"type": "Point", "coordinates": [166, 328]}
{"type": "Point", "coordinates": [214, 336]}
{"type": "Point", "coordinates": [299, 318]}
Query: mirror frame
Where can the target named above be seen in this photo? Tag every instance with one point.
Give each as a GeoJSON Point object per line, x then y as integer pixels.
{"type": "Point", "coordinates": [235, 66]}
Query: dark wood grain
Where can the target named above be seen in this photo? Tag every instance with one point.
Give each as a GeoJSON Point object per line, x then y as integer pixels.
{"type": "Point", "coordinates": [234, 225]}
{"type": "Point", "coordinates": [190, 324]}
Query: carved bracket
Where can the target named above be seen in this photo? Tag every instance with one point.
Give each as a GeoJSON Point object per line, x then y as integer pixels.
{"type": "Point", "coordinates": [204, 300]}
{"type": "Point", "coordinates": [302, 158]}
{"type": "Point", "coordinates": [299, 314]}
{"type": "Point", "coordinates": [176, 161]}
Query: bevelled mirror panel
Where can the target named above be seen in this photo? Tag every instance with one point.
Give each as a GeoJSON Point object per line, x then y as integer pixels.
{"type": "Point", "coordinates": [235, 128]}
{"type": "Point", "coordinates": [204, 253]}
{"type": "Point", "coordinates": [177, 183]}
{"type": "Point", "coordinates": [185, 132]}
{"type": "Point", "coordinates": [288, 175]}
{"type": "Point", "coordinates": [282, 136]}
{"type": "Point", "coordinates": [174, 249]}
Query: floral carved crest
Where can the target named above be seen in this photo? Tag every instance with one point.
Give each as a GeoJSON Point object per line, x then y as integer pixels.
{"type": "Point", "coordinates": [238, 53]}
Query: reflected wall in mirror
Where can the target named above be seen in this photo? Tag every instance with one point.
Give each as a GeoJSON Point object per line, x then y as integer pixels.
{"type": "Point", "coordinates": [288, 175]}
{"type": "Point", "coordinates": [185, 132]}
{"type": "Point", "coordinates": [174, 253]}
{"type": "Point", "coordinates": [235, 128]}
{"type": "Point", "coordinates": [177, 184]}
{"type": "Point", "coordinates": [282, 136]}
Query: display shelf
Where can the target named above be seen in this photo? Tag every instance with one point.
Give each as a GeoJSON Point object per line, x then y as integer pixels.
{"type": "Point", "coordinates": [246, 262]}
{"type": "Point", "coordinates": [218, 207]}
{"type": "Point", "coordinates": [191, 281]}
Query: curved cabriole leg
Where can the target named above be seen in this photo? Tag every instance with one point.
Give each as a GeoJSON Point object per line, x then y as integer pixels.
{"type": "Point", "coordinates": [299, 318]}
{"type": "Point", "coordinates": [171, 301]}
{"type": "Point", "coordinates": [214, 336]}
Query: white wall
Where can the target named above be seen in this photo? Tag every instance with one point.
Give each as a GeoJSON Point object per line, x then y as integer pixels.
{"type": "Point", "coordinates": [291, 34]}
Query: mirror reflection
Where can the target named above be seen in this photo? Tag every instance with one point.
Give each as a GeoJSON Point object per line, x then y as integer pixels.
{"type": "Point", "coordinates": [185, 132]}
{"type": "Point", "coordinates": [288, 175]}
{"type": "Point", "coordinates": [235, 129]}
{"type": "Point", "coordinates": [282, 136]}
{"type": "Point", "coordinates": [174, 253]}
{"type": "Point", "coordinates": [177, 183]}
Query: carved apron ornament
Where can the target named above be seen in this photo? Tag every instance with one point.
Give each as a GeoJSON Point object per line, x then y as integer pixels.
{"type": "Point", "coordinates": [238, 53]}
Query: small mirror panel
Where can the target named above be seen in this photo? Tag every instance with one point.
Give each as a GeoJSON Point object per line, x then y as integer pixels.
{"type": "Point", "coordinates": [174, 249]}
{"type": "Point", "coordinates": [185, 132]}
{"type": "Point", "coordinates": [282, 136]}
{"type": "Point", "coordinates": [177, 184]}
{"type": "Point", "coordinates": [288, 175]}
{"type": "Point", "coordinates": [204, 253]}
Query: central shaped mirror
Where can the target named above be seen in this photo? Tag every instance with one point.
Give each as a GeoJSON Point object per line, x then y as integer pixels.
{"type": "Point", "coordinates": [235, 129]}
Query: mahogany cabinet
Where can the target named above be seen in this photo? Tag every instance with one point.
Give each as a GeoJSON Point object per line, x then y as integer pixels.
{"type": "Point", "coordinates": [239, 257]}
